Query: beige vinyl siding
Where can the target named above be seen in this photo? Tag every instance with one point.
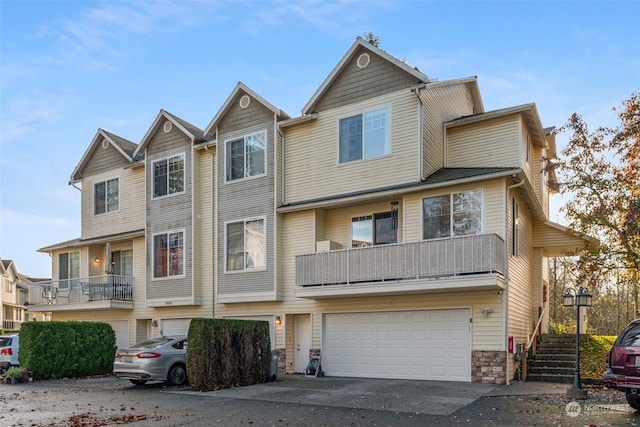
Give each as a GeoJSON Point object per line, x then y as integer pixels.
{"type": "Point", "coordinates": [494, 143]}
{"type": "Point", "coordinates": [440, 104]}
{"type": "Point", "coordinates": [311, 152]}
{"type": "Point", "coordinates": [204, 208]}
{"type": "Point", "coordinates": [243, 199]}
{"type": "Point", "coordinates": [527, 165]}
{"type": "Point", "coordinates": [521, 277]}
{"type": "Point", "coordinates": [130, 215]}
{"type": "Point", "coordinates": [355, 84]}
{"type": "Point", "coordinates": [170, 213]}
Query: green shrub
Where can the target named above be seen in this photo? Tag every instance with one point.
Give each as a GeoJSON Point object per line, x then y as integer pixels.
{"type": "Point", "coordinates": [224, 353]}
{"type": "Point", "coordinates": [593, 354]}
{"type": "Point", "coordinates": [67, 349]}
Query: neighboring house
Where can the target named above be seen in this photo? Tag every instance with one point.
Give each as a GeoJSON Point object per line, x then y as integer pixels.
{"type": "Point", "coordinates": [395, 225]}
{"type": "Point", "coordinates": [14, 297]}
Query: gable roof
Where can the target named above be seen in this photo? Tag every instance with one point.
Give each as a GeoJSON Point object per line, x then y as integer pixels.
{"type": "Point", "coordinates": [193, 132]}
{"type": "Point", "coordinates": [528, 111]}
{"type": "Point", "coordinates": [223, 110]}
{"type": "Point", "coordinates": [125, 147]}
{"type": "Point", "coordinates": [360, 42]}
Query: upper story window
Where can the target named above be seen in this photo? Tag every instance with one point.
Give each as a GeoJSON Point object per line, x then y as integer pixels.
{"type": "Point", "coordinates": [365, 135]}
{"type": "Point", "coordinates": [376, 229]}
{"type": "Point", "coordinates": [168, 254]}
{"type": "Point", "coordinates": [106, 196]}
{"type": "Point", "coordinates": [457, 214]}
{"type": "Point", "coordinates": [168, 176]}
{"type": "Point", "coordinates": [245, 245]}
{"type": "Point", "coordinates": [246, 156]}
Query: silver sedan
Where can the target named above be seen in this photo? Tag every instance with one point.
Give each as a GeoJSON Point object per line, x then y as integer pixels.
{"type": "Point", "coordinates": [156, 359]}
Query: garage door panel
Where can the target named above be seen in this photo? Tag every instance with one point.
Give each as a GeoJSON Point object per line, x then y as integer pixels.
{"type": "Point", "coordinates": [426, 344]}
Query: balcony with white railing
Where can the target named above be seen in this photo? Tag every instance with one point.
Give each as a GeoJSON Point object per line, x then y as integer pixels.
{"type": "Point", "coordinates": [91, 293]}
{"type": "Point", "coordinates": [440, 265]}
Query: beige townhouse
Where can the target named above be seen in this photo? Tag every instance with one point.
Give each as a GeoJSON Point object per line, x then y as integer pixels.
{"type": "Point", "coordinates": [395, 225]}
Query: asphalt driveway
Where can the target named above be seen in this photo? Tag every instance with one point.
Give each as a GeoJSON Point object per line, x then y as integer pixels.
{"type": "Point", "coordinates": [416, 397]}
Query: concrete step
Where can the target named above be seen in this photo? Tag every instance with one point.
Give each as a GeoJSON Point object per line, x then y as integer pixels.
{"type": "Point", "coordinates": [552, 363]}
{"type": "Point", "coordinates": [551, 370]}
{"type": "Point", "coordinates": [551, 378]}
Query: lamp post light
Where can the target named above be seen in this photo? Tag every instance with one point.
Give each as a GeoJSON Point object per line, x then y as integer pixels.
{"type": "Point", "coordinates": [580, 298]}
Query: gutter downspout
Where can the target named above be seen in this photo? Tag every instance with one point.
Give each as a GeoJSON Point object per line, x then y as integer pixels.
{"type": "Point", "coordinates": [505, 295]}
{"type": "Point", "coordinates": [73, 184]}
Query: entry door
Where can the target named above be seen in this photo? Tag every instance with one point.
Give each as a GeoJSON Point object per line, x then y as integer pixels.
{"type": "Point", "coordinates": [303, 341]}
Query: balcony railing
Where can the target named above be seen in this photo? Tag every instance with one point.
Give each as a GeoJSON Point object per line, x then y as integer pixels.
{"type": "Point", "coordinates": [82, 290]}
{"type": "Point", "coordinates": [481, 254]}
{"type": "Point", "coordinates": [11, 325]}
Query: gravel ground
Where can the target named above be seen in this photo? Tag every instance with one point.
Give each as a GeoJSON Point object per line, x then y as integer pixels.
{"type": "Point", "coordinates": [108, 402]}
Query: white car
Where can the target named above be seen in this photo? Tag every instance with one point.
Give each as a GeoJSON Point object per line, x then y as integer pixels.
{"type": "Point", "coordinates": [156, 359]}
{"type": "Point", "coordinates": [9, 346]}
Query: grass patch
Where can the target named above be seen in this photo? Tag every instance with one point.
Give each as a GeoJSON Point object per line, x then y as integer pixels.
{"type": "Point", "coordinates": [593, 354]}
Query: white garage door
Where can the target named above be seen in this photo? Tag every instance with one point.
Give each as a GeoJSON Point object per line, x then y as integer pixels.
{"type": "Point", "coordinates": [425, 345]}
{"type": "Point", "coordinates": [121, 328]}
{"type": "Point", "coordinates": [175, 327]}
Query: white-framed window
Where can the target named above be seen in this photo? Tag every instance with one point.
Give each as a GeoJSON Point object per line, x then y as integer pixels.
{"type": "Point", "coordinates": [106, 196]}
{"type": "Point", "coordinates": [365, 135]}
{"type": "Point", "coordinates": [245, 247]}
{"type": "Point", "coordinates": [528, 149]}
{"type": "Point", "coordinates": [515, 223]}
{"type": "Point", "coordinates": [168, 254]}
{"type": "Point", "coordinates": [377, 229]}
{"type": "Point", "coordinates": [168, 176]}
{"type": "Point", "coordinates": [449, 215]}
{"type": "Point", "coordinates": [246, 156]}
{"type": "Point", "coordinates": [68, 269]}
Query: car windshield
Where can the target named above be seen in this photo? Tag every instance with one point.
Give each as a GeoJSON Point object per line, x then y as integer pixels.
{"type": "Point", "coordinates": [630, 337]}
{"type": "Point", "coordinates": [5, 341]}
{"type": "Point", "coordinates": [152, 343]}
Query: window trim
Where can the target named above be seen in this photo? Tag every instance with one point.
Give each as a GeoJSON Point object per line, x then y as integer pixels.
{"type": "Point", "coordinates": [105, 182]}
{"type": "Point", "coordinates": [265, 244]}
{"type": "Point", "coordinates": [184, 255]}
{"type": "Point", "coordinates": [451, 212]}
{"type": "Point", "coordinates": [153, 177]}
{"type": "Point", "coordinates": [361, 113]}
{"type": "Point", "coordinates": [227, 152]}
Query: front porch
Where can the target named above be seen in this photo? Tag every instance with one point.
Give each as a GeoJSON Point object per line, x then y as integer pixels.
{"type": "Point", "coordinates": [90, 293]}
{"type": "Point", "coordinates": [452, 264]}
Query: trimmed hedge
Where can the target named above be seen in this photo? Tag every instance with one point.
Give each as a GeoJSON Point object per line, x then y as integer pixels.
{"type": "Point", "coordinates": [67, 349]}
{"type": "Point", "coordinates": [224, 353]}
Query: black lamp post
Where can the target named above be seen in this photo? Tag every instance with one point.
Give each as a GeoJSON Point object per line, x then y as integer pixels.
{"type": "Point", "coordinates": [579, 298]}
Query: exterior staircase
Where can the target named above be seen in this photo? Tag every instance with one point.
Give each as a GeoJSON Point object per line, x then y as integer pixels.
{"type": "Point", "coordinates": [555, 360]}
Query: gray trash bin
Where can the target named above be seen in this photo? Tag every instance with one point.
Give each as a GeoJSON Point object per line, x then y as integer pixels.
{"type": "Point", "coordinates": [273, 368]}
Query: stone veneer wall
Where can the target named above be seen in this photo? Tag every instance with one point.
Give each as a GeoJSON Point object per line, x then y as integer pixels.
{"type": "Point", "coordinates": [489, 367]}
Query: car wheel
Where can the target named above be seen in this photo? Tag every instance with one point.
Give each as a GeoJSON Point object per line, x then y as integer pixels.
{"type": "Point", "coordinates": [633, 400]}
{"type": "Point", "coordinates": [177, 375]}
{"type": "Point", "coordinates": [138, 382]}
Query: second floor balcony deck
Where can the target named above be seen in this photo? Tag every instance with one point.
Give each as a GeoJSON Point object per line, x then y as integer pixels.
{"type": "Point", "coordinates": [90, 293]}
{"type": "Point", "coordinates": [441, 265]}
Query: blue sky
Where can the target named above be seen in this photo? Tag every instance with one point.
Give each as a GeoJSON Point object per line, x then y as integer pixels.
{"type": "Point", "coordinates": [71, 67]}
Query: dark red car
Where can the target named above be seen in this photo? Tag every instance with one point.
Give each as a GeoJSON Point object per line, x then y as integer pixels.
{"type": "Point", "coordinates": [623, 364]}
